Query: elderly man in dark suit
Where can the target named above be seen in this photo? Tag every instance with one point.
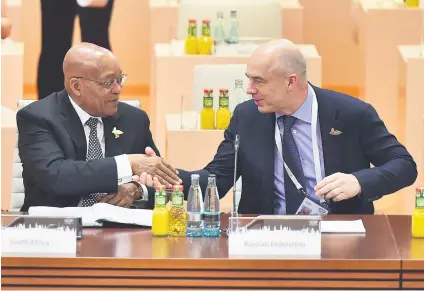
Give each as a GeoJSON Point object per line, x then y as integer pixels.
{"type": "Point", "coordinates": [81, 145]}
{"type": "Point", "coordinates": [301, 145]}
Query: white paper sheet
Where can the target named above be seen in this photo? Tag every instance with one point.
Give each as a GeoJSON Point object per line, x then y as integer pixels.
{"type": "Point", "coordinates": [348, 226]}
{"type": "Point", "coordinates": [86, 213]}
{"type": "Point", "coordinates": [99, 211]}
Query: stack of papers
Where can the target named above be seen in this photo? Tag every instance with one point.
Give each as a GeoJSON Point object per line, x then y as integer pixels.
{"type": "Point", "coordinates": [97, 214]}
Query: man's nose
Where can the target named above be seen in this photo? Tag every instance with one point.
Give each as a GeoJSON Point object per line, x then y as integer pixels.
{"type": "Point", "coordinates": [251, 88]}
{"type": "Point", "coordinates": [116, 88]}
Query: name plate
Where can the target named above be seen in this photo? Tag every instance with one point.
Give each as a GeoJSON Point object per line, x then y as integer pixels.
{"type": "Point", "coordinates": [38, 236]}
{"type": "Point", "coordinates": [275, 236]}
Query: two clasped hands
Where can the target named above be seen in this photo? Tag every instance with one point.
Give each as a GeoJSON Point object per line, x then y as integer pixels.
{"type": "Point", "coordinates": [152, 171]}
{"type": "Point", "coordinates": [148, 169]}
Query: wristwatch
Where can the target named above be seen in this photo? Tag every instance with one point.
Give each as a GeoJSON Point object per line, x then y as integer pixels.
{"type": "Point", "coordinates": [143, 191]}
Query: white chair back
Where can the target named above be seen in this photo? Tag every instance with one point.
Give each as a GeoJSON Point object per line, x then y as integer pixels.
{"type": "Point", "coordinates": [18, 189]}
{"type": "Point", "coordinates": [256, 18]}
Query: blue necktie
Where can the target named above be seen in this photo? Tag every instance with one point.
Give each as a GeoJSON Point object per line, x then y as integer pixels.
{"type": "Point", "coordinates": [291, 157]}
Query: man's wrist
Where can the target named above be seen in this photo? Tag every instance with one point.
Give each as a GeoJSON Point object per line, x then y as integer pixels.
{"type": "Point", "coordinates": [143, 194]}
{"type": "Point", "coordinates": [124, 169]}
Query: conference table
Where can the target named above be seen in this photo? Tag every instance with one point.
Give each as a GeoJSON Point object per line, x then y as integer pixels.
{"type": "Point", "coordinates": [411, 251]}
{"type": "Point", "coordinates": [386, 257]}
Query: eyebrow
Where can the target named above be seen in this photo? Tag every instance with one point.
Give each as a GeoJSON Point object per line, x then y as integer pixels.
{"type": "Point", "coordinates": [255, 77]}
{"type": "Point", "coordinates": [111, 75]}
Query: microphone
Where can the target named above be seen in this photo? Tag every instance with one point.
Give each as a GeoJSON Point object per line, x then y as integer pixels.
{"type": "Point", "coordinates": [236, 148]}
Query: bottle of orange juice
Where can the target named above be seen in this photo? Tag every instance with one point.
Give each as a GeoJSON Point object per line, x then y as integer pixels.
{"type": "Point", "coordinates": [418, 214]}
{"type": "Point", "coordinates": [205, 42]}
{"type": "Point", "coordinates": [412, 3]}
{"type": "Point", "coordinates": [223, 114]}
{"type": "Point", "coordinates": [207, 115]}
{"type": "Point", "coordinates": [191, 42]}
{"type": "Point", "coordinates": [160, 220]}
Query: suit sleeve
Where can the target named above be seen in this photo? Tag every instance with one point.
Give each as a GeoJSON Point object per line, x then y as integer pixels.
{"type": "Point", "coordinates": [394, 168]}
{"type": "Point", "coordinates": [43, 158]}
{"type": "Point", "coordinates": [222, 165]}
{"type": "Point", "coordinates": [150, 143]}
{"type": "Point", "coordinates": [149, 138]}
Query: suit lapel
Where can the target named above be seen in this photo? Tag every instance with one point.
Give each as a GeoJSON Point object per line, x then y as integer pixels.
{"type": "Point", "coordinates": [73, 125]}
{"type": "Point", "coordinates": [113, 145]}
{"type": "Point", "coordinates": [75, 129]}
{"type": "Point", "coordinates": [332, 145]}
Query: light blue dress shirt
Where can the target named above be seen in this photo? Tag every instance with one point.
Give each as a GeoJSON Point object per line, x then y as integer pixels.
{"type": "Point", "coordinates": [301, 131]}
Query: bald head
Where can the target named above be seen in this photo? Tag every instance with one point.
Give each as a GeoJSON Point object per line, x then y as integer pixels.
{"type": "Point", "coordinates": [93, 78]}
{"type": "Point", "coordinates": [277, 77]}
{"type": "Point", "coordinates": [85, 60]}
{"type": "Point", "coordinates": [283, 57]}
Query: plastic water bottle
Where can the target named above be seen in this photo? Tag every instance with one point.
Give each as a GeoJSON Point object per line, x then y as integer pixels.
{"type": "Point", "coordinates": [195, 208]}
{"type": "Point", "coordinates": [239, 95]}
{"type": "Point", "coordinates": [219, 37]}
{"type": "Point", "coordinates": [234, 28]}
{"type": "Point", "coordinates": [211, 214]}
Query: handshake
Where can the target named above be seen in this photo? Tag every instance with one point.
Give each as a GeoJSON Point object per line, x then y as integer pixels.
{"type": "Point", "coordinates": [148, 169]}
{"type": "Point", "coordinates": [151, 170]}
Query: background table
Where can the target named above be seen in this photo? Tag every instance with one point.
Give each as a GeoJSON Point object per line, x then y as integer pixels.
{"type": "Point", "coordinates": [130, 258]}
{"type": "Point", "coordinates": [379, 33]}
{"type": "Point", "coordinates": [12, 66]}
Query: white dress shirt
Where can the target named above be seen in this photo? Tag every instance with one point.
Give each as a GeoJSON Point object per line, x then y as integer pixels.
{"type": "Point", "coordinates": [122, 163]}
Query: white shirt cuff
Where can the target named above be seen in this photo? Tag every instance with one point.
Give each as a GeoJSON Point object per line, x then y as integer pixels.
{"type": "Point", "coordinates": [124, 170]}
{"type": "Point", "coordinates": [145, 194]}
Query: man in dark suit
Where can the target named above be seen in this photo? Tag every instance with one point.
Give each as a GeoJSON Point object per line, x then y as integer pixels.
{"type": "Point", "coordinates": [81, 145]}
{"type": "Point", "coordinates": [327, 139]}
{"type": "Point", "coordinates": [57, 19]}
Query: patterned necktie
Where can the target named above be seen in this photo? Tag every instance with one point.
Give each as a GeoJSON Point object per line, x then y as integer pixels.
{"type": "Point", "coordinates": [292, 158]}
{"type": "Point", "coordinates": [94, 153]}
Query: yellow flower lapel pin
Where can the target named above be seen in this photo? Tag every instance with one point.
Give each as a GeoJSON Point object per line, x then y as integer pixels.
{"type": "Point", "coordinates": [335, 132]}
{"type": "Point", "coordinates": [117, 132]}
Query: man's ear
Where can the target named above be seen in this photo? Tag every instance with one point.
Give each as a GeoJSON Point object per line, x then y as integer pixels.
{"type": "Point", "coordinates": [75, 86]}
{"type": "Point", "coordinates": [292, 78]}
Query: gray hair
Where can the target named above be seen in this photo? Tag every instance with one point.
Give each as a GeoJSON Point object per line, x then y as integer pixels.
{"type": "Point", "coordinates": [292, 62]}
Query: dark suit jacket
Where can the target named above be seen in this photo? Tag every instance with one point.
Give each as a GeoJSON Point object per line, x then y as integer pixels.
{"type": "Point", "coordinates": [364, 140]}
{"type": "Point", "coordinates": [52, 148]}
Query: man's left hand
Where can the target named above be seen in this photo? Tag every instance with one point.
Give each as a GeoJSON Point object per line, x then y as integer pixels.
{"type": "Point", "coordinates": [338, 187]}
{"type": "Point", "coordinates": [126, 195]}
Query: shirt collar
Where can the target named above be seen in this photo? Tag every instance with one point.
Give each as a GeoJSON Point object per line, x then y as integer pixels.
{"type": "Point", "coordinates": [304, 112]}
{"type": "Point", "coordinates": [84, 116]}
